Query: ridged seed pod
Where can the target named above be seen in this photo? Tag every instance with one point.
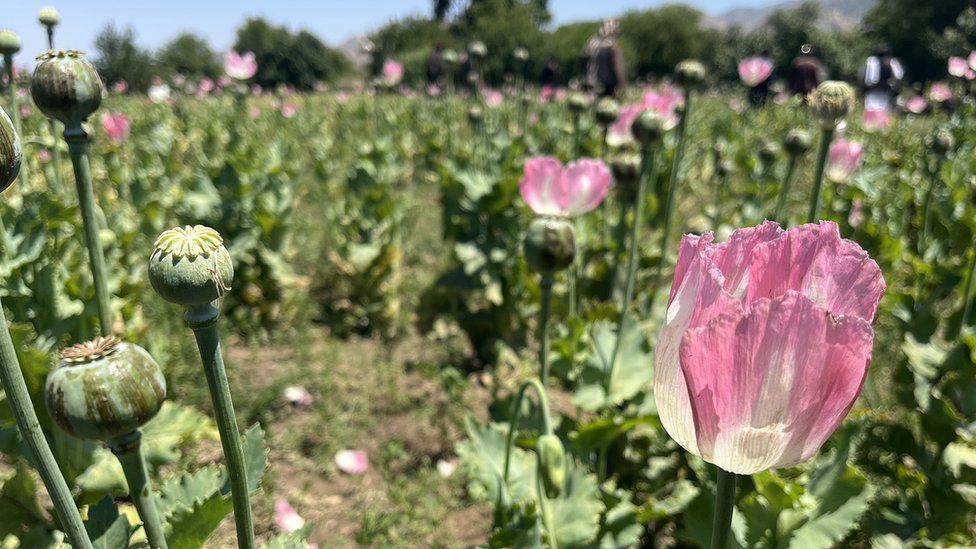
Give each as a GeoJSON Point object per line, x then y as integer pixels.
{"type": "Point", "coordinates": [648, 127]}
{"type": "Point", "coordinates": [831, 102]}
{"type": "Point", "coordinates": [104, 389]}
{"type": "Point", "coordinates": [607, 111]}
{"type": "Point", "coordinates": [66, 87]}
{"type": "Point", "coordinates": [10, 152]}
{"type": "Point", "coordinates": [797, 142]}
{"type": "Point", "coordinates": [550, 245]}
{"type": "Point", "coordinates": [552, 464]}
{"type": "Point", "coordinates": [690, 74]}
{"type": "Point", "coordinates": [190, 266]}
{"type": "Point", "coordinates": [9, 42]}
{"type": "Point", "coordinates": [48, 17]}
{"type": "Point", "coordinates": [477, 50]}
{"type": "Point", "coordinates": [577, 102]}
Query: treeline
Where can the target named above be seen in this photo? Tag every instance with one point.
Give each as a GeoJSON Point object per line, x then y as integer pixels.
{"type": "Point", "coordinates": [922, 34]}
{"type": "Point", "coordinates": [297, 59]}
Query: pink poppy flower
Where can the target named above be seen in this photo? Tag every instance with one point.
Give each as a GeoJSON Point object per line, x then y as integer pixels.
{"type": "Point", "coordinates": [755, 70]}
{"type": "Point", "coordinates": [392, 72]}
{"type": "Point", "coordinates": [766, 343]}
{"type": "Point", "coordinates": [159, 92]}
{"type": "Point", "coordinates": [224, 81]}
{"type": "Point", "coordinates": [958, 66]}
{"type": "Point", "coordinates": [546, 93]}
{"type": "Point", "coordinates": [256, 89]}
{"type": "Point", "coordinates": [286, 518]}
{"type": "Point", "coordinates": [970, 74]}
{"type": "Point", "coordinates": [843, 158]}
{"type": "Point", "coordinates": [972, 60]}
{"type": "Point", "coordinates": [116, 126]}
{"type": "Point", "coordinates": [875, 119]}
{"type": "Point", "coordinates": [940, 92]}
{"type": "Point", "coordinates": [916, 104]}
{"type": "Point", "coordinates": [120, 86]}
{"type": "Point", "coordinates": [433, 90]}
{"type": "Point", "coordinates": [240, 67]}
{"type": "Point", "coordinates": [353, 462]}
{"type": "Point", "coordinates": [206, 85]}
{"type": "Point", "coordinates": [551, 189]}
{"type": "Point", "coordinates": [665, 102]}
{"type": "Point", "coordinates": [493, 98]}
{"type": "Point", "coordinates": [856, 217]}
{"type": "Point", "coordinates": [288, 109]}
{"type": "Point", "coordinates": [619, 132]}
{"type": "Point", "coordinates": [254, 112]}
{"type": "Point", "coordinates": [25, 110]}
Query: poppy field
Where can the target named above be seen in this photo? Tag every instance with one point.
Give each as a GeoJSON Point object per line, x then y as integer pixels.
{"type": "Point", "coordinates": [517, 317]}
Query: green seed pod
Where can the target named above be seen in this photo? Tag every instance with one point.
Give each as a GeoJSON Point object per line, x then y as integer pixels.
{"type": "Point", "coordinates": [9, 42]}
{"type": "Point", "coordinates": [549, 245]}
{"type": "Point", "coordinates": [10, 152]}
{"type": "Point", "coordinates": [475, 114]}
{"type": "Point", "coordinates": [552, 464]}
{"type": "Point", "coordinates": [190, 266]}
{"type": "Point", "coordinates": [66, 87]}
{"type": "Point", "coordinates": [648, 127]}
{"type": "Point", "coordinates": [690, 74]}
{"type": "Point", "coordinates": [607, 111]}
{"type": "Point", "coordinates": [831, 102]}
{"type": "Point", "coordinates": [521, 54]}
{"type": "Point", "coordinates": [477, 49]}
{"type": "Point", "coordinates": [767, 153]}
{"type": "Point", "coordinates": [48, 17]}
{"type": "Point", "coordinates": [577, 102]}
{"type": "Point", "coordinates": [450, 57]}
{"type": "Point", "coordinates": [941, 141]}
{"type": "Point", "coordinates": [797, 142]}
{"type": "Point", "coordinates": [104, 389]}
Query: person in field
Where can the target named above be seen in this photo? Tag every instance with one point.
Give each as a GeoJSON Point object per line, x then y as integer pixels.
{"type": "Point", "coordinates": [881, 78]}
{"type": "Point", "coordinates": [435, 66]}
{"type": "Point", "coordinates": [603, 61]}
{"type": "Point", "coordinates": [806, 72]}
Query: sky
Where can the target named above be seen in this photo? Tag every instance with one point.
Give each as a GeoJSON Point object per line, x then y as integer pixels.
{"type": "Point", "coordinates": [155, 23]}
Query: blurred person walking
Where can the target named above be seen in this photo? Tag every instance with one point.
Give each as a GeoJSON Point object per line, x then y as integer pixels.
{"type": "Point", "coordinates": [881, 78]}
{"type": "Point", "coordinates": [603, 61]}
{"type": "Point", "coordinates": [806, 72]}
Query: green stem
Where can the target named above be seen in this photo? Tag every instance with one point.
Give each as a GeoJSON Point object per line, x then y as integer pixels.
{"type": "Point", "coordinates": [546, 287]}
{"type": "Point", "coordinates": [605, 207]}
{"type": "Point", "coordinates": [646, 169]}
{"type": "Point", "coordinates": [968, 292]}
{"type": "Point", "coordinates": [547, 519]}
{"type": "Point", "coordinates": [825, 138]}
{"type": "Point", "coordinates": [785, 189]}
{"type": "Point", "coordinates": [517, 415]}
{"type": "Point", "coordinates": [56, 157]}
{"type": "Point", "coordinates": [40, 453]}
{"type": "Point", "coordinates": [724, 504]}
{"type": "Point", "coordinates": [77, 140]}
{"type": "Point", "coordinates": [719, 193]}
{"type": "Point", "coordinates": [203, 321]}
{"type": "Point", "coordinates": [128, 450]}
{"type": "Point", "coordinates": [927, 207]}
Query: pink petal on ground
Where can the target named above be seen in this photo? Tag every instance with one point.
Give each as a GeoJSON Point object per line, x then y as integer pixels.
{"type": "Point", "coordinates": [769, 385]}
{"type": "Point", "coordinates": [836, 274]}
{"type": "Point", "coordinates": [353, 462]}
{"type": "Point", "coordinates": [286, 518]}
{"type": "Point", "coordinates": [541, 181]}
{"type": "Point", "coordinates": [586, 182]}
{"type": "Point", "coordinates": [297, 395]}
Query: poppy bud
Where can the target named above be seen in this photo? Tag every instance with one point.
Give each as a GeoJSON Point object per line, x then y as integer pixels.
{"type": "Point", "coordinates": [550, 245]}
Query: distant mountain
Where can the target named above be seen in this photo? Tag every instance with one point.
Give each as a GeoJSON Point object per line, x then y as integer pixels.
{"type": "Point", "coordinates": [835, 14]}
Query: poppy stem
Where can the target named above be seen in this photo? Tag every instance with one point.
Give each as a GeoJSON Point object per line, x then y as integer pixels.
{"type": "Point", "coordinates": [547, 519]}
{"type": "Point", "coordinates": [128, 450]}
{"type": "Point", "coordinates": [785, 189]}
{"type": "Point", "coordinates": [825, 138]}
{"type": "Point", "coordinates": [927, 207]}
{"type": "Point", "coordinates": [724, 504]}
{"type": "Point", "coordinates": [546, 286]}
{"type": "Point", "coordinates": [968, 292]}
{"type": "Point", "coordinates": [517, 415]}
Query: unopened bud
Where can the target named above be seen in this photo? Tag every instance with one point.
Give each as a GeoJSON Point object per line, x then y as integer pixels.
{"type": "Point", "coordinates": [831, 102]}
{"type": "Point", "coordinates": [607, 111]}
{"type": "Point", "coordinates": [550, 245]}
{"type": "Point", "coordinates": [577, 102]}
{"type": "Point", "coordinates": [797, 142]}
{"type": "Point", "coordinates": [690, 74]}
{"type": "Point", "coordinates": [10, 152]}
{"type": "Point", "coordinates": [552, 464]}
{"type": "Point", "coordinates": [648, 127]}
{"type": "Point", "coordinates": [9, 42]}
{"type": "Point", "coordinates": [48, 17]}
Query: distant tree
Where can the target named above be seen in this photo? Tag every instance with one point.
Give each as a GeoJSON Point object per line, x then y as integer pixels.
{"type": "Point", "coordinates": [191, 55]}
{"type": "Point", "coordinates": [502, 25]}
{"type": "Point", "coordinates": [654, 41]}
{"type": "Point", "coordinates": [282, 58]}
{"type": "Point", "coordinates": [410, 41]}
{"type": "Point", "coordinates": [470, 10]}
{"type": "Point", "coordinates": [119, 58]}
{"type": "Point", "coordinates": [565, 44]}
{"type": "Point", "coordinates": [311, 61]}
{"type": "Point", "coordinates": [914, 30]}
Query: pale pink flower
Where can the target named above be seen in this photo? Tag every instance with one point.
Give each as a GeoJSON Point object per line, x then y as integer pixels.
{"type": "Point", "coordinates": [240, 67]}
{"type": "Point", "coordinates": [116, 126]}
{"type": "Point", "coordinates": [297, 395]}
{"type": "Point", "coordinates": [288, 109]}
{"type": "Point", "coordinates": [560, 94]}
{"type": "Point", "coordinates": [353, 462]}
{"type": "Point", "coordinates": [493, 98]}
{"type": "Point", "coordinates": [958, 66]}
{"type": "Point", "coordinates": [940, 92]}
{"type": "Point", "coordinates": [392, 72]}
{"type": "Point", "coordinates": [755, 70]}
{"type": "Point", "coordinates": [619, 132]}
{"type": "Point", "coordinates": [254, 111]}
{"type": "Point", "coordinates": [223, 81]}
{"type": "Point", "coordinates": [551, 189]}
{"type": "Point", "coordinates": [256, 89]}
{"type": "Point", "coordinates": [843, 158]}
{"type": "Point", "coordinates": [737, 105]}
{"type": "Point", "coordinates": [856, 217]}
{"type": "Point", "coordinates": [875, 119]}
{"type": "Point", "coordinates": [159, 92]}
{"type": "Point", "coordinates": [972, 60]}
{"type": "Point", "coordinates": [25, 110]}
{"type": "Point", "coordinates": [206, 86]}
{"type": "Point", "coordinates": [665, 101]}
{"type": "Point", "coordinates": [970, 74]}
{"type": "Point", "coordinates": [44, 155]}
{"type": "Point", "coordinates": [286, 518]}
{"type": "Point", "coordinates": [533, 117]}
{"type": "Point", "coordinates": [546, 93]}
{"type": "Point", "coordinates": [433, 90]}
{"type": "Point", "coordinates": [766, 343]}
{"type": "Point", "coordinates": [121, 86]}
{"type": "Point", "coordinates": [916, 104]}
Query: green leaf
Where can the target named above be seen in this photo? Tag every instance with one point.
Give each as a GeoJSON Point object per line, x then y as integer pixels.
{"type": "Point", "coordinates": [174, 426]}
{"type": "Point", "coordinates": [294, 540]}
{"type": "Point", "coordinates": [189, 489]}
{"type": "Point", "coordinates": [189, 527]}
{"type": "Point", "coordinates": [600, 433]}
{"type": "Point", "coordinates": [106, 528]}
{"type": "Point", "coordinates": [682, 494]}
{"type": "Point", "coordinates": [576, 513]}
{"type": "Point", "coordinates": [483, 455]}
{"type": "Point", "coordinates": [104, 477]}
{"type": "Point", "coordinates": [633, 371]}
{"type": "Point", "coordinates": [18, 499]}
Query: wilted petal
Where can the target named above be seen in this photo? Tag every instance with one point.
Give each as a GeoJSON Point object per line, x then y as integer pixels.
{"type": "Point", "coordinates": [584, 186]}
{"type": "Point", "coordinates": [286, 518]}
{"type": "Point", "coordinates": [769, 385]}
{"type": "Point", "coordinates": [353, 462]}
{"type": "Point", "coordinates": [540, 184]}
{"type": "Point", "coordinates": [834, 273]}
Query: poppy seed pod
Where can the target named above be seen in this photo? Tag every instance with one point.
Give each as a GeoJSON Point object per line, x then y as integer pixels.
{"type": "Point", "coordinates": [607, 111]}
{"type": "Point", "coordinates": [190, 266]}
{"type": "Point", "coordinates": [577, 102]}
{"type": "Point", "coordinates": [48, 17]}
{"type": "Point", "coordinates": [690, 74]}
{"type": "Point", "coordinates": [831, 102]}
{"type": "Point", "coordinates": [552, 464]}
{"type": "Point", "coordinates": [550, 245]}
{"type": "Point", "coordinates": [797, 142]}
{"type": "Point", "coordinates": [9, 42]}
{"type": "Point", "coordinates": [767, 153]}
{"type": "Point", "coordinates": [648, 127]}
{"type": "Point", "coordinates": [625, 168]}
{"type": "Point", "coordinates": [941, 141]}
{"type": "Point", "coordinates": [10, 152]}
{"type": "Point", "coordinates": [477, 49]}
{"type": "Point", "coordinates": [475, 114]}
{"type": "Point", "coordinates": [521, 54]}
{"type": "Point", "coordinates": [104, 389]}
{"type": "Point", "coordinates": [66, 87]}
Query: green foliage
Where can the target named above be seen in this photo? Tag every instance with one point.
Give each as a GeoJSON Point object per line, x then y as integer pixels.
{"type": "Point", "coordinates": [190, 55]}
{"type": "Point", "coordinates": [300, 60]}
{"type": "Point", "coordinates": [914, 31]}
{"type": "Point", "coordinates": [119, 58]}
{"type": "Point", "coordinates": [654, 41]}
